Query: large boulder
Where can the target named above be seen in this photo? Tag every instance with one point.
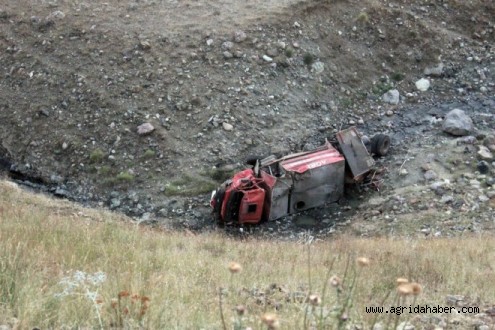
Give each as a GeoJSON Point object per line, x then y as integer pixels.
{"type": "Point", "coordinates": [457, 123]}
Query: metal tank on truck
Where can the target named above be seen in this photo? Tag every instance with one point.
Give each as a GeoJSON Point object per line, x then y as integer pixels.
{"type": "Point", "coordinates": [276, 187]}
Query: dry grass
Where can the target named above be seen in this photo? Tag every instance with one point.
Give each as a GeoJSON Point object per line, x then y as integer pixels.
{"type": "Point", "coordinates": [169, 280]}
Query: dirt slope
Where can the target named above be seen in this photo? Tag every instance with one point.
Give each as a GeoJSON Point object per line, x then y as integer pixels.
{"type": "Point", "coordinates": [218, 80]}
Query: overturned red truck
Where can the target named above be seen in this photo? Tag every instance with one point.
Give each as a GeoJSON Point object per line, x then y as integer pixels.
{"type": "Point", "coordinates": [276, 187]}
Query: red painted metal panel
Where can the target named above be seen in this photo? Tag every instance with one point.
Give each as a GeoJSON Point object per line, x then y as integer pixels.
{"type": "Point", "coordinates": [251, 208]}
{"type": "Point", "coordinates": [313, 160]}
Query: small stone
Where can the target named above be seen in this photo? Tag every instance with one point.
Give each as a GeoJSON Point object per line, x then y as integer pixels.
{"type": "Point", "coordinates": [145, 45]}
{"type": "Point", "coordinates": [60, 192]}
{"type": "Point", "coordinates": [483, 167]}
{"type": "Point", "coordinates": [272, 52]}
{"type": "Point", "coordinates": [430, 175]}
{"type": "Point", "coordinates": [227, 54]}
{"type": "Point", "coordinates": [457, 123]}
{"type": "Point", "coordinates": [378, 326]}
{"type": "Point", "coordinates": [56, 178]}
{"type": "Point", "coordinates": [454, 299]}
{"type": "Point", "coordinates": [389, 113]}
{"type": "Point", "coordinates": [228, 127]}
{"type": "Point", "coordinates": [114, 203]}
{"type": "Point", "coordinates": [403, 172]}
{"type": "Point", "coordinates": [484, 153]}
{"type": "Point", "coordinates": [483, 198]}
{"type": "Point", "coordinates": [209, 42]}
{"type": "Point", "coordinates": [489, 142]}
{"type": "Point", "coordinates": [283, 61]}
{"type": "Point", "coordinates": [446, 199]}
{"type": "Point", "coordinates": [56, 15]}
{"type": "Point", "coordinates": [318, 67]}
{"type": "Point", "coordinates": [267, 58]}
{"type": "Point", "coordinates": [423, 84]}
{"type": "Point", "coordinates": [391, 97]}
{"type": "Point", "coordinates": [240, 36]}
{"type": "Point", "coordinates": [227, 45]}
{"type": "Point", "coordinates": [405, 325]}
{"type": "Point", "coordinates": [434, 71]}
{"type": "Point", "coordinates": [65, 145]}
{"type": "Point", "coordinates": [482, 327]}
{"type": "Point", "coordinates": [467, 140]}
{"type": "Point", "coordinates": [145, 128]}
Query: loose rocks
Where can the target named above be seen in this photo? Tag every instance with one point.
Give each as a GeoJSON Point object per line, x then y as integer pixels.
{"type": "Point", "coordinates": [392, 97]}
{"type": "Point", "coordinates": [423, 84]}
{"type": "Point", "coordinates": [457, 123]}
{"type": "Point", "coordinates": [145, 128]}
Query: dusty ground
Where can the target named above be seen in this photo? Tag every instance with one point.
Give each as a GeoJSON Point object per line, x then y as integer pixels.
{"type": "Point", "coordinates": [78, 78]}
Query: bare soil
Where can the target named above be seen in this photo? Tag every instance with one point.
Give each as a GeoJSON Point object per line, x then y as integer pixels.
{"type": "Point", "coordinates": [79, 77]}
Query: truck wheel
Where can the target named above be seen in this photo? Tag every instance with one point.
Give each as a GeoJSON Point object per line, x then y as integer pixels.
{"type": "Point", "coordinates": [251, 159]}
{"type": "Point", "coordinates": [380, 144]}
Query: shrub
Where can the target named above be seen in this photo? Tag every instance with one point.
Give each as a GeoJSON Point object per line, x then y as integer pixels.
{"type": "Point", "coordinates": [125, 177]}
{"type": "Point", "coordinates": [308, 59]}
{"type": "Point", "coordinates": [96, 156]}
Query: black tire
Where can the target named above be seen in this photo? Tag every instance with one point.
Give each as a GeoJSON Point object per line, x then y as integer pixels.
{"type": "Point", "coordinates": [251, 160]}
{"type": "Point", "coordinates": [380, 144]}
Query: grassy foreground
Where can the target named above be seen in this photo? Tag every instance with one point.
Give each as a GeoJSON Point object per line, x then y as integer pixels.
{"type": "Point", "coordinates": [63, 266]}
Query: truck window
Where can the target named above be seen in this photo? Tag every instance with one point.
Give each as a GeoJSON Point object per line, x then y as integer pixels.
{"type": "Point", "coordinates": [252, 208]}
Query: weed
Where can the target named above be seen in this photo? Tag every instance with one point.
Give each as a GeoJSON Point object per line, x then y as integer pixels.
{"type": "Point", "coordinates": [308, 59]}
{"type": "Point", "coordinates": [289, 52]}
{"type": "Point", "coordinates": [219, 175]}
{"type": "Point", "coordinates": [346, 102]}
{"type": "Point", "coordinates": [84, 285]}
{"type": "Point", "coordinates": [127, 308]}
{"type": "Point", "coordinates": [397, 76]}
{"type": "Point", "coordinates": [96, 156]}
{"type": "Point", "coordinates": [381, 88]}
{"type": "Point", "coordinates": [149, 153]}
{"type": "Point", "coordinates": [105, 170]}
{"type": "Point", "coordinates": [363, 17]}
{"type": "Point", "coordinates": [124, 177]}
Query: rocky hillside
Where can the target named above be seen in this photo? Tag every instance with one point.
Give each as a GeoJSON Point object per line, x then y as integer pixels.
{"type": "Point", "coordinates": [144, 106]}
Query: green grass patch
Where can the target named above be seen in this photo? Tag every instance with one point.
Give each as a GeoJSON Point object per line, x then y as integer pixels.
{"type": "Point", "coordinates": [381, 88]}
{"type": "Point", "coordinates": [219, 175]}
{"type": "Point", "coordinates": [289, 52]}
{"type": "Point", "coordinates": [149, 153]}
{"type": "Point", "coordinates": [124, 177]}
{"type": "Point", "coordinates": [188, 185]}
{"type": "Point", "coordinates": [363, 17]}
{"type": "Point", "coordinates": [96, 156]}
{"type": "Point", "coordinates": [397, 76]}
{"type": "Point", "coordinates": [308, 59]}
{"type": "Point", "coordinates": [105, 170]}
